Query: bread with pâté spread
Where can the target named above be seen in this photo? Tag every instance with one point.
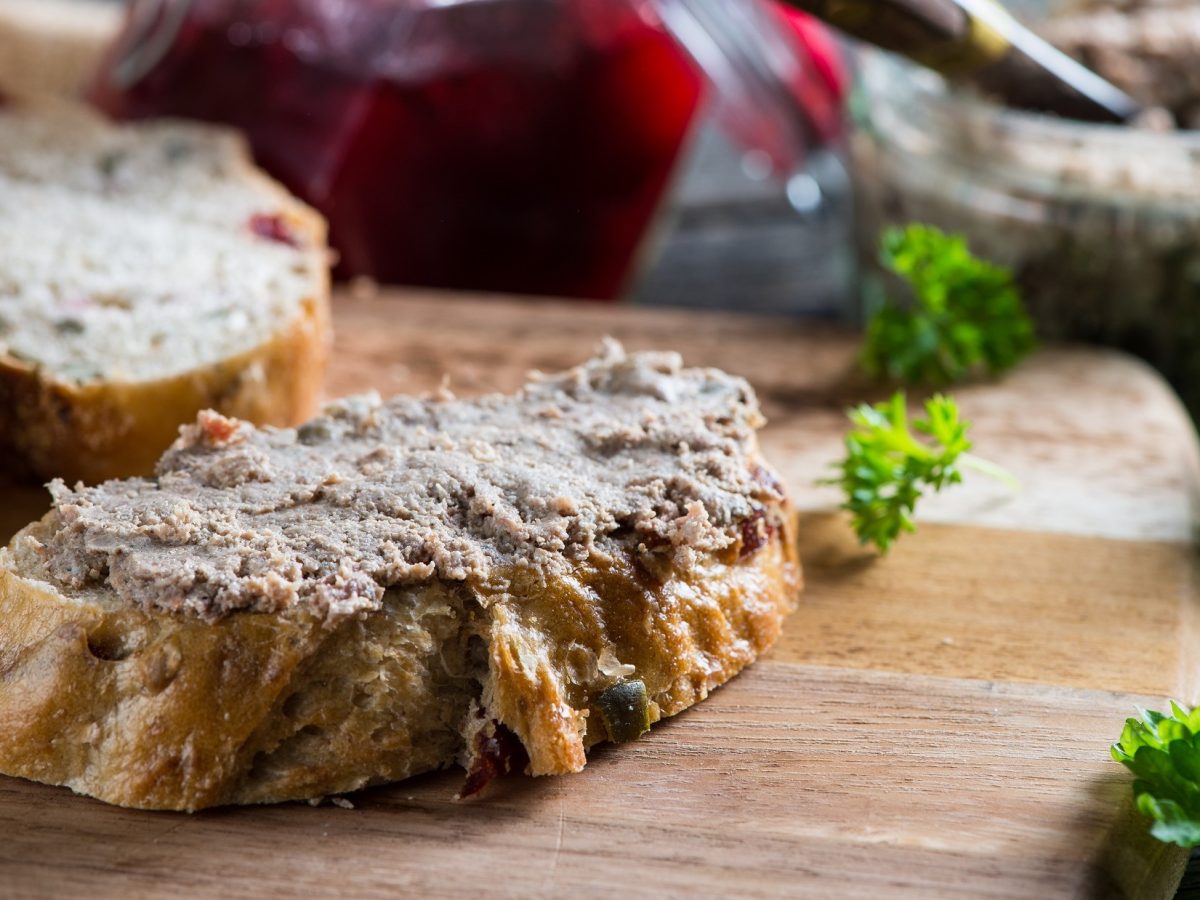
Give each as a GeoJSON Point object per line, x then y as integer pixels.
{"type": "Point", "coordinates": [394, 587]}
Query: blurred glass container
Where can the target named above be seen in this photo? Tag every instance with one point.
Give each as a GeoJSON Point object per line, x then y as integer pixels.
{"type": "Point", "coordinates": [759, 214]}
{"type": "Point", "coordinates": [1101, 224]}
{"type": "Point", "coordinates": [502, 145]}
{"type": "Point", "coordinates": [510, 145]}
{"type": "Point", "coordinates": [742, 239]}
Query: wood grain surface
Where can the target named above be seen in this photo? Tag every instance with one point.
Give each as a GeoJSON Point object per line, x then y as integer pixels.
{"type": "Point", "coordinates": [934, 723]}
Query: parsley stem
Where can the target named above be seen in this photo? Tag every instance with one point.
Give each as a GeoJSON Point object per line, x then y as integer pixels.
{"type": "Point", "coordinates": [986, 467]}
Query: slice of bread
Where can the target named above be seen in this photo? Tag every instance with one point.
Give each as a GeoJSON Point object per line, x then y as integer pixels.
{"type": "Point", "coordinates": [146, 272]}
{"type": "Point", "coordinates": [393, 587]}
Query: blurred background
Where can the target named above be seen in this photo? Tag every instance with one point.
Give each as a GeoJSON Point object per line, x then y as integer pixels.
{"type": "Point", "coordinates": [732, 154]}
{"type": "Point", "coordinates": [681, 153]}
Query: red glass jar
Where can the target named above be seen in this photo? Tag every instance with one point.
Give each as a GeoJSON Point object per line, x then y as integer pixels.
{"type": "Point", "coordinates": [503, 145]}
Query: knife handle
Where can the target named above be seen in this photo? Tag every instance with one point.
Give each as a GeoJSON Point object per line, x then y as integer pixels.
{"type": "Point", "coordinates": [976, 40]}
{"type": "Point", "coordinates": [937, 33]}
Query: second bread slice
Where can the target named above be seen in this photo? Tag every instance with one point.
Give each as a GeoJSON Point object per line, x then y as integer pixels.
{"type": "Point", "coordinates": [146, 272]}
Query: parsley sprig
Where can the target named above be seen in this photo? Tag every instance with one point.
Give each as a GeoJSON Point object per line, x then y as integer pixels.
{"type": "Point", "coordinates": [888, 468]}
{"type": "Point", "coordinates": [965, 317]}
{"type": "Point", "coordinates": [1163, 751]}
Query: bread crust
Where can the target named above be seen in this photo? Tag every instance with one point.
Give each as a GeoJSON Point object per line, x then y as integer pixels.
{"type": "Point", "coordinates": [161, 711]}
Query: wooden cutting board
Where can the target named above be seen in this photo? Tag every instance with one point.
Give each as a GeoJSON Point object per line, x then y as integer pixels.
{"type": "Point", "coordinates": [935, 723]}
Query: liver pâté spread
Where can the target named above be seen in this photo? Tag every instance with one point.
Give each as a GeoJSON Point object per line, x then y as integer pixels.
{"type": "Point", "coordinates": [623, 449]}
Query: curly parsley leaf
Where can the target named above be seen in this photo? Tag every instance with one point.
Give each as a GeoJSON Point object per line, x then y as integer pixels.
{"type": "Point", "coordinates": [965, 316]}
{"type": "Point", "coordinates": [1163, 751]}
{"type": "Point", "coordinates": [888, 468]}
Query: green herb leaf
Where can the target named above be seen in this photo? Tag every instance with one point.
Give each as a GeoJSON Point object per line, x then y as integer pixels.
{"type": "Point", "coordinates": [965, 317]}
{"type": "Point", "coordinates": [887, 468]}
{"type": "Point", "coordinates": [1163, 751]}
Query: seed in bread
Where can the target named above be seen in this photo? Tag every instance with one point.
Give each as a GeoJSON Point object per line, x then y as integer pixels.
{"type": "Point", "coordinates": [393, 587]}
{"type": "Point", "coordinates": [146, 272]}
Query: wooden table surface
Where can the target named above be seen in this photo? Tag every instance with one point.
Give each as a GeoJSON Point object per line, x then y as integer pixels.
{"type": "Point", "coordinates": [934, 723]}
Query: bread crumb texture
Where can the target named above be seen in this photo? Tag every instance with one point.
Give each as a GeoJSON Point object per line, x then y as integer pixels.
{"type": "Point", "coordinates": [135, 252]}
